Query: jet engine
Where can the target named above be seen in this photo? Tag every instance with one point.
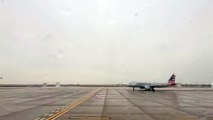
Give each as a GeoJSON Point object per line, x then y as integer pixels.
{"type": "Point", "coordinates": [147, 87]}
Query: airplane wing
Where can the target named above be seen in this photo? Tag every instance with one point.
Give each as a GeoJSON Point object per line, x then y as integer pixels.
{"type": "Point", "coordinates": [159, 85]}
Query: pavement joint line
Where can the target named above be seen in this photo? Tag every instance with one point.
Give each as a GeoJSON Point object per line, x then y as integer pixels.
{"type": "Point", "coordinates": [73, 105]}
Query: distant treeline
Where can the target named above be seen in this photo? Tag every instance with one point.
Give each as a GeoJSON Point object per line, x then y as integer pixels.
{"type": "Point", "coordinates": [91, 85]}
{"type": "Point", "coordinates": [196, 85]}
{"type": "Point", "coordinates": [63, 85]}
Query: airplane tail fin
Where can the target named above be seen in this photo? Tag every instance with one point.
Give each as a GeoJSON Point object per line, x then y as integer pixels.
{"type": "Point", "coordinates": [172, 80]}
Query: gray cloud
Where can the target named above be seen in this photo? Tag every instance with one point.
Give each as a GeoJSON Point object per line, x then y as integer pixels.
{"type": "Point", "coordinates": [106, 41]}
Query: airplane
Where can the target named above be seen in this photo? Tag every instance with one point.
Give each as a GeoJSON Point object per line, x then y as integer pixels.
{"type": "Point", "coordinates": [152, 86]}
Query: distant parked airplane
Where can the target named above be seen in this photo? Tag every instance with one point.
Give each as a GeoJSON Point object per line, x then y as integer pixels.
{"type": "Point", "coordinates": [151, 86]}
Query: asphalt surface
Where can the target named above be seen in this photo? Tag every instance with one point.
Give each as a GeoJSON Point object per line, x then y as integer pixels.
{"type": "Point", "coordinates": [115, 103]}
{"type": "Point", "coordinates": [30, 103]}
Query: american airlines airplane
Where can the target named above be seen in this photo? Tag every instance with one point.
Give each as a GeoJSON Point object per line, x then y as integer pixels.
{"type": "Point", "coordinates": [152, 86]}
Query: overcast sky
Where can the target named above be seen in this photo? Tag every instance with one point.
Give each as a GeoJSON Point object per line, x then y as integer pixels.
{"type": "Point", "coordinates": [106, 41]}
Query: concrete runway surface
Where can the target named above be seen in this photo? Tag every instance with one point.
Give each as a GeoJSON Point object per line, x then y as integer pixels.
{"type": "Point", "coordinates": [107, 103]}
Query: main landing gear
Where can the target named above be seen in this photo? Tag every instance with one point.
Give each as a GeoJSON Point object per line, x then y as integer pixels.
{"type": "Point", "coordinates": [153, 90]}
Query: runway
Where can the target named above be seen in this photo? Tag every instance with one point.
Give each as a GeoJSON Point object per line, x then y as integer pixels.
{"type": "Point", "coordinates": [114, 103]}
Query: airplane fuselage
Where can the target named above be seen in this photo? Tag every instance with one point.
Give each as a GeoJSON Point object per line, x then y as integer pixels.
{"type": "Point", "coordinates": [148, 86]}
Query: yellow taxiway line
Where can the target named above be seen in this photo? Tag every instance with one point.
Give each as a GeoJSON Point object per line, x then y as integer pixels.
{"type": "Point", "coordinates": [73, 105]}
